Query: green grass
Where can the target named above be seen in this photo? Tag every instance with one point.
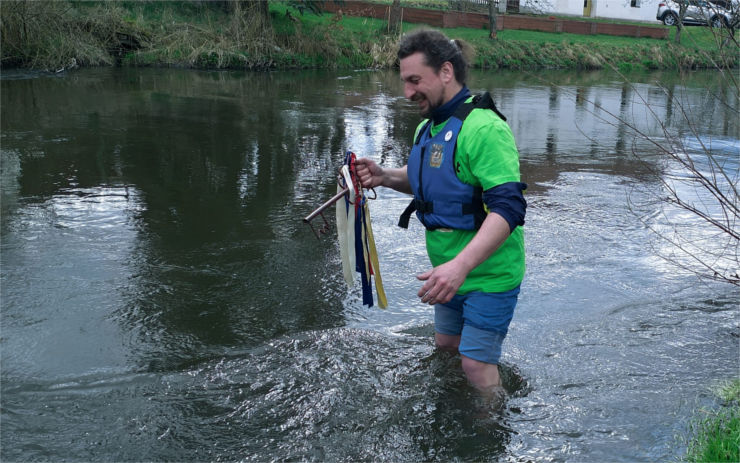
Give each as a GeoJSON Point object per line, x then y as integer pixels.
{"type": "Point", "coordinates": [427, 4]}
{"type": "Point", "coordinates": [206, 35]}
{"type": "Point", "coordinates": [693, 38]}
{"type": "Point", "coordinates": [481, 36]}
{"type": "Point", "coordinates": [716, 433]}
{"type": "Point", "coordinates": [730, 392]}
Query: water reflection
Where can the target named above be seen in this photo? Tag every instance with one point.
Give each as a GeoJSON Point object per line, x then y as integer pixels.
{"type": "Point", "coordinates": [162, 296]}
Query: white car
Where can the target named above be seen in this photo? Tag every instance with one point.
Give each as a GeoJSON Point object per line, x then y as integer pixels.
{"type": "Point", "coordinates": [697, 12]}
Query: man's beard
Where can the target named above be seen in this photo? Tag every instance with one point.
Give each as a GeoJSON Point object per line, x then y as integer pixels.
{"type": "Point", "coordinates": [431, 107]}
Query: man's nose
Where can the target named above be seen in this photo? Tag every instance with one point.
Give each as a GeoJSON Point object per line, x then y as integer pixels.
{"type": "Point", "coordinates": [409, 91]}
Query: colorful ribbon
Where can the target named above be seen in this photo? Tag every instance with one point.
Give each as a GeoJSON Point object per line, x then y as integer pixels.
{"type": "Point", "coordinates": [355, 233]}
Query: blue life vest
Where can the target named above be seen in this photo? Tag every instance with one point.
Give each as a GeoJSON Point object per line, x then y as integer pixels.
{"type": "Point", "coordinates": [441, 200]}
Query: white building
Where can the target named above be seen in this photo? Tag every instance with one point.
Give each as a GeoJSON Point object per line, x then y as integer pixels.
{"type": "Point", "coordinates": [631, 10]}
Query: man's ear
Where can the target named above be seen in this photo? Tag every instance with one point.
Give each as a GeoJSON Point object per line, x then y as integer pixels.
{"type": "Point", "coordinates": [447, 72]}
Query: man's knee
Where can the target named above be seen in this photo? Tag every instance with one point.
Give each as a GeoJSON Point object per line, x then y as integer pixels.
{"type": "Point", "coordinates": [482, 375]}
{"type": "Point", "coordinates": [446, 341]}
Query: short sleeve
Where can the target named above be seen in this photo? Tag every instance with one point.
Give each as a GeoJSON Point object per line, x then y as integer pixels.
{"type": "Point", "coordinates": [487, 155]}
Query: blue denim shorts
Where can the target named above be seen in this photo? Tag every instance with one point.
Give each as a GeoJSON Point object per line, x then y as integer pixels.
{"type": "Point", "coordinates": [480, 319]}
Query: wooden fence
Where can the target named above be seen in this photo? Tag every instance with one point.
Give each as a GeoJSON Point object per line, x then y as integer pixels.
{"type": "Point", "coordinates": [447, 19]}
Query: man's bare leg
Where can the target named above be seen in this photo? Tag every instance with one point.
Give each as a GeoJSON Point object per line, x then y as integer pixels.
{"type": "Point", "coordinates": [447, 342]}
{"type": "Point", "coordinates": [482, 375]}
{"type": "Point", "coordinates": [486, 379]}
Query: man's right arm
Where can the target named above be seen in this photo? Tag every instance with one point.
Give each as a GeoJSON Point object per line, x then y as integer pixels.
{"type": "Point", "coordinates": [372, 175]}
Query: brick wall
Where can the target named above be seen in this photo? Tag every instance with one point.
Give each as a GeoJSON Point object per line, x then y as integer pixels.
{"type": "Point", "coordinates": [447, 19]}
{"type": "Point", "coordinates": [459, 19]}
{"type": "Point", "coordinates": [529, 23]}
{"type": "Point", "coordinates": [579, 27]}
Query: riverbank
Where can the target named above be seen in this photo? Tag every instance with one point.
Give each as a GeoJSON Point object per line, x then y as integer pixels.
{"type": "Point", "coordinates": [715, 433]}
{"type": "Point", "coordinates": [59, 35]}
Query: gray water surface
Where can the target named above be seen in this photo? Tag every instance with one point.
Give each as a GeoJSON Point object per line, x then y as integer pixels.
{"type": "Point", "coordinates": [162, 299]}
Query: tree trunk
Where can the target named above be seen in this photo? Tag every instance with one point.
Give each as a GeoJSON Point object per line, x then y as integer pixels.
{"type": "Point", "coordinates": [256, 10]}
{"type": "Point", "coordinates": [677, 37]}
{"type": "Point", "coordinates": [251, 17]}
{"type": "Point", "coordinates": [394, 18]}
{"type": "Point", "coordinates": [492, 17]}
{"type": "Point", "coordinates": [679, 25]}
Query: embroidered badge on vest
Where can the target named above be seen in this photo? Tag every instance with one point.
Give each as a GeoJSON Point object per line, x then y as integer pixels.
{"type": "Point", "coordinates": [437, 153]}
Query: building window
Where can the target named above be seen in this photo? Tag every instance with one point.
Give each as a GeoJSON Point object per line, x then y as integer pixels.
{"type": "Point", "coordinates": [635, 3]}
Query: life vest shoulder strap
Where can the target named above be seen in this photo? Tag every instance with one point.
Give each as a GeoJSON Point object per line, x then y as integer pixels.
{"type": "Point", "coordinates": [482, 101]}
{"type": "Point", "coordinates": [424, 128]}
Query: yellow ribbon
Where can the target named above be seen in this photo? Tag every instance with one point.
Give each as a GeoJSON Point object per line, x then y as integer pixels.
{"type": "Point", "coordinates": [382, 300]}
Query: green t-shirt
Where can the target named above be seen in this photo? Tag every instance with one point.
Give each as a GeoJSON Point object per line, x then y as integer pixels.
{"type": "Point", "coordinates": [487, 157]}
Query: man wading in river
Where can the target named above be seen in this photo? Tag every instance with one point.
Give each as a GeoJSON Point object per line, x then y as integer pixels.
{"type": "Point", "coordinates": [463, 171]}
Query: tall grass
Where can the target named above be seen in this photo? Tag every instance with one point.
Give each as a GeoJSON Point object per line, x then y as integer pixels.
{"type": "Point", "coordinates": [190, 35]}
{"type": "Point", "coordinates": [227, 39]}
{"type": "Point", "coordinates": [716, 433]}
{"type": "Point", "coordinates": [49, 34]}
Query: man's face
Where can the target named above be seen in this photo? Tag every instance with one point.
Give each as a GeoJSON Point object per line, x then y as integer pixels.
{"type": "Point", "coordinates": [421, 84]}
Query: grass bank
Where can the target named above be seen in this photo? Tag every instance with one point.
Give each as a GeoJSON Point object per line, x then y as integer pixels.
{"type": "Point", "coordinates": [55, 35]}
{"type": "Point", "coordinates": [716, 433]}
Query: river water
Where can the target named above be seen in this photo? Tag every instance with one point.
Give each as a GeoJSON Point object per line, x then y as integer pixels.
{"type": "Point", "coordinates": [162, 299]}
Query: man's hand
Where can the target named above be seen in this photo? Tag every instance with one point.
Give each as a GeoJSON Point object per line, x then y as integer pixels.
{"type": "Point", "coordinates": [369, 173]}
{"type": "Point", "coordinates": [372, 175]}
{"type": "Point", "coordinates": [441, 283]}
